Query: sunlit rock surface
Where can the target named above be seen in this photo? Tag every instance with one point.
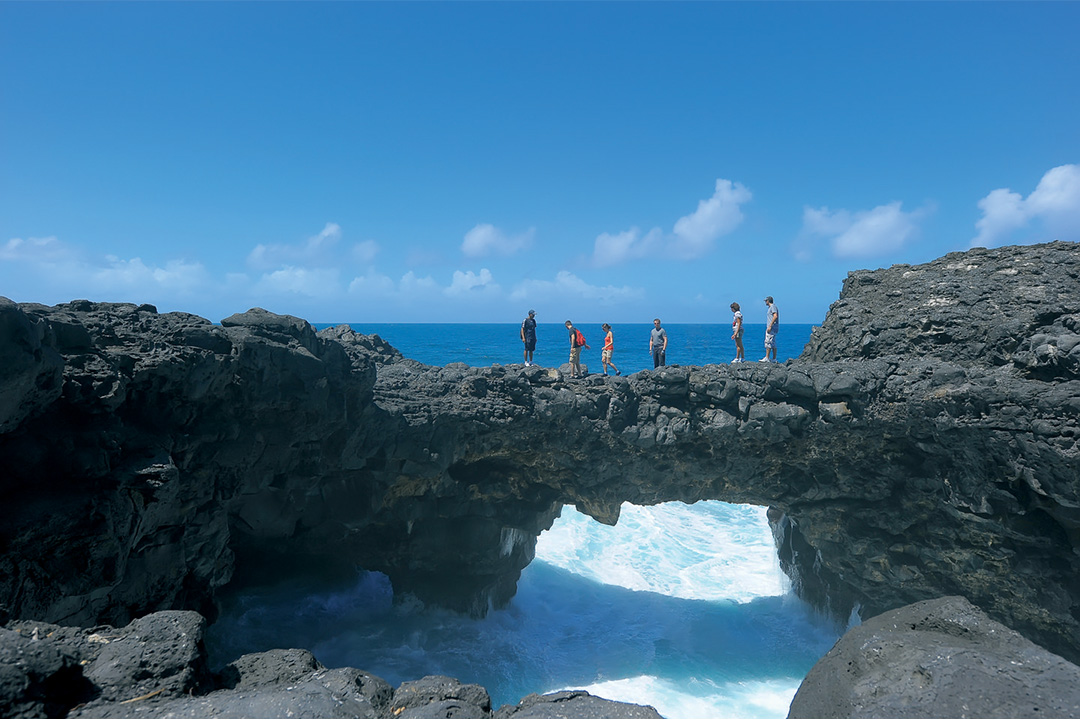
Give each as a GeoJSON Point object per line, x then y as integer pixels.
{"type": "Point", "coordinates": [938, 658]}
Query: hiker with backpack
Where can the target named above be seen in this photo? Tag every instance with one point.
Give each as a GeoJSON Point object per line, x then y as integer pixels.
{"type": "Point", "coordinates": [577, 341]}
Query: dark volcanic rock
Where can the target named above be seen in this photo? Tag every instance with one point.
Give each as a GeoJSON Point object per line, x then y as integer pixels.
{"type": "Point", "coordinates": [1005, 306]}
{"type": "Point", "coordinates": [38, 679]}
{"type": "Point", "coordinates": [926, 444]}
{"type": "Point", "coordinates": [574, 704]}
{"type": "Point", "coordinates": [938, 658]}
{"type": "Point", "coordinates": [156, 668]}
{"type": "Point", "coordinates": [30, 367]}
{"type": "Point", "coordinates": [438, 696]}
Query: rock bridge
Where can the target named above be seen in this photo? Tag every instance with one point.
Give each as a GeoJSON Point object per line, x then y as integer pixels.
{"type": "Point", "coordinates": [925, 444]}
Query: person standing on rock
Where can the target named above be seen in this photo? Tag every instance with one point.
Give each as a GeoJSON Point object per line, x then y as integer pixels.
{"type": "Point", "coordinates": [609, 348]}
{"type": "Point", "coordinates": [737, 332]}
{"type": "Point", "coordinates": [658, 344]}
{"type": "Point", "coordinates": [528, 336]}
{"type": "Point", "coordinates": [577, 341]}
{"type": "Point", "coordinates": [772, 324]}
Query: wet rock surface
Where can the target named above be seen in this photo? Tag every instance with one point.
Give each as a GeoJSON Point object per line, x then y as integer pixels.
{"type": "Point", "coordinates": [938, 658]}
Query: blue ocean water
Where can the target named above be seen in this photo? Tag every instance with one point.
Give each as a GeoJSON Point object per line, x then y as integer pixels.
{"type": "Point", "coordinates": [682, 607]}
{"type": "Point", "coordinates": [481, 344]}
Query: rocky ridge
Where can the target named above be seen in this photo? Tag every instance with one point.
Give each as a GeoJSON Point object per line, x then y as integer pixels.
{"type": "Point", "coordinates": [925, 444]}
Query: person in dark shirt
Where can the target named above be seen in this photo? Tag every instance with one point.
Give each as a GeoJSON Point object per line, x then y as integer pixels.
{"type": "Point", "coordinates": [577, 341]}
{"type": "Point", "coordinates": [528, 336]}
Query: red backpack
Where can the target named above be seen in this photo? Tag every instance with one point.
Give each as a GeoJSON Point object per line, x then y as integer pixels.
{"type": "Point", "coordinates": [580, 338]}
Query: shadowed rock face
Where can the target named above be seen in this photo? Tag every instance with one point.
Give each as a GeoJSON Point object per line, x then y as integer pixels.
{"type": "Point", "coordinates": [925, 444]}
{"type": "Point", "coordinates": [156, 667]}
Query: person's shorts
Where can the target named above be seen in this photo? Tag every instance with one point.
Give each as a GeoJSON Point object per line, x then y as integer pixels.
{"type": "Point", "coordinates": [605, 355]}
{"type": "Point", "coordinates": [770, 340]}
{"type": "Point", "coordinates": [575, 355]}
{"type": "Point", "coordinates": [738, 335]}
{"type": "Point", "coordinates": [530, 344]}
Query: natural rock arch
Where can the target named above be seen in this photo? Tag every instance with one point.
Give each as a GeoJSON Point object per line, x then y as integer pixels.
{"type": "Point", "coordinates": [925, 444]}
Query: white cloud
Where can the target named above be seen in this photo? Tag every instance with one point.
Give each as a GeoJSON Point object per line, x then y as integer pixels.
{"type": "Point", "coordinates": [486, 239]}
{"type": "Point", "coordinates": [692, 236]}
{"type": "Point", "coordinates": [40, 250]}
{"type": "Point", "coordinates": [47, 261]}
{"type": "Point", "coordinates": [629, 245]}
{"type": "Point", "coordinates": [715, 217]}
{"type": "Point", "coordinates": [317, 251]}
{"type": "Point", "coordinates": [372, 283]}
{"type": "Point", "coordinates": [866, 233]}
{"type": "Point", "coordinates": [1055, 203]}
{"type": "Point", "coordinates": [567, 285]}
{"type": "Point", "coordinates": [467, 282]}
{"type": "Point", "coordinates": [311, 282]}
{"type": "Point", "coordinates": [410, 283]}
{"type": "Point", "coordinates": [177, 276]}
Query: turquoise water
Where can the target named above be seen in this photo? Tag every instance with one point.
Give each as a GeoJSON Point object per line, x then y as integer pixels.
{"type": "Point", "coordinates": [682, 607]}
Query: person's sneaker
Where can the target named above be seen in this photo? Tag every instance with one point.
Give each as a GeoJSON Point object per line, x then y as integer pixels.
{"type": "Point", "coordinates": [764, 359]}
{"type": "Point", "coordinates": [618, 372]}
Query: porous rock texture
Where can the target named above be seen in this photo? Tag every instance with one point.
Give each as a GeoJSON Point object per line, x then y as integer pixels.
{"type": "Point", "coordinates": [156, 667]}
{"type": "Point", "coordinates": [938, 658]}
{"type": "Point", "coordinates": [925, 444]}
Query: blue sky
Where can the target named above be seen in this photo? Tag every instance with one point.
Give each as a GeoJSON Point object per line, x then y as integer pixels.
{"type": "Point", "coordinates": [464, 162]}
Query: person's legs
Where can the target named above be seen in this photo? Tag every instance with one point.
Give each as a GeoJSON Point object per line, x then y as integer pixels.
{"type": "Point", "coordinates": [770, 347]}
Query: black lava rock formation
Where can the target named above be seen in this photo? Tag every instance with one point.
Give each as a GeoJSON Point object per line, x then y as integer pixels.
{"type": "Point", "coordinates": [156, 667]}
{"type": "Point", "coordinates": [938, 658]}
{"type": "Point", "coordinates": [925, 444]}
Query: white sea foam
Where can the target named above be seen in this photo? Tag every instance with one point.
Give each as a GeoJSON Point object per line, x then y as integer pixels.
{"type": "Point", "coordinates": [702, 698]}
{"type": "Point", "coordinates": [706, 551]}
{"type": "Point", "coordinates": [680, 607]}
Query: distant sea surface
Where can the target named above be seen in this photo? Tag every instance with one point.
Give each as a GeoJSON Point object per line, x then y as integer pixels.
{"type": "Point", "coordinates": [485, 344]}
{"type": "Point", "coordinates": [682, 607]}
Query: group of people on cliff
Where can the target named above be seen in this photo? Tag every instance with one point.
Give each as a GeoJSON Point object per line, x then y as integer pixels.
{"type": "Point", "coordinates": [658, 340]}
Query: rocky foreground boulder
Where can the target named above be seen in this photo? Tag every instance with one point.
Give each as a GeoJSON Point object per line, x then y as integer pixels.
{"type": "Point", "coordinates": [938, 658]}
{"type": "Point", "coordinates": [156, 667]}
